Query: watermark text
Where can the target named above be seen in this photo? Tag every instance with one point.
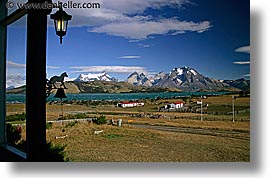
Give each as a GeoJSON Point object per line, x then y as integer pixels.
{"type": "Point", "coordinates": [47, 5]}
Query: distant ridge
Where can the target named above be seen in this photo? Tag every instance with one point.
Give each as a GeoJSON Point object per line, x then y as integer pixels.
{"type": "Point", "coordinates": [177, 80]}
{"type": "Point", "coordinates": [95, 77]}
{"type": "Point", "coordinates": [186, 79]}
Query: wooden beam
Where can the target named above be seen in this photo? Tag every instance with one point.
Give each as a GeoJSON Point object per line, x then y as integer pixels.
{"type": "Point", "coordinates": [3, 46]}
{"type": "Point", "coordinates": [13, 17]}
{"type": "Point", "coordinates": [35, 84]}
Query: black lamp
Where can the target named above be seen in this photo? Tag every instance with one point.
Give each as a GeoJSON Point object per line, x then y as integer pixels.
{"type": "Point", "coordinates": [61, 19]}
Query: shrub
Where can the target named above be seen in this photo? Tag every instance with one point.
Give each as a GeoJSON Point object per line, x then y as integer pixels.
{"type": "Point", "coordinates": [101, 120]}
{"type": "Point", "coordinates": [49, 125]}
{"type": "Point", "coordinates": [16, 117]}
{"type": "Point", "coordinates": [50, 153]}
{"type": "Point", "coordinates": [76, 116]}
{"type": "Point", "coordinates": [13, 133]}
{"type": "Point", "coordinates": [55, 153]}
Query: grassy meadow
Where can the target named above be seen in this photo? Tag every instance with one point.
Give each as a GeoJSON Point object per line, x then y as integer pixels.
{"type": "Point", "coordinates": [215, 139]}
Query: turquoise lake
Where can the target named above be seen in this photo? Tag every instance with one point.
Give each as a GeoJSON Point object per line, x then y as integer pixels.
{"type": "Point", "coordinates": [21, 98]}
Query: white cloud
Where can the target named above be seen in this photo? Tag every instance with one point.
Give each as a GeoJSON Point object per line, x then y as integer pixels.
{"type": "Point", "coordinates": [126, 18]}
{"type": "Point", "coordinates": [67, 79]}
{"type": "Point", "coordinates": [130, 57]}
{"type": "Point", "coordinates": [139, 6]}
{"type": "Point", "coordinates": [52, 67]}
{"type": "Point", "coordinates": [143, 45]}
{"type": "Point", "coordinates": [134, 41]}
{"type": "Point", "coordinates": [247, 75]}
{"type": "Point", "coordinates": [241, 62]}
{"type": "Point", "coordinates": [15, 80]}
{"type": "Point", "coordinates": [108, 69]}
{"type": "Point", "coordinates": [11, 64]}
{"type": "Point", "coordinates": [117, 10]}
{"type": "Point", "coordinates": [244, 49]}
{"type": "Point", "coordinates": [143, 29]}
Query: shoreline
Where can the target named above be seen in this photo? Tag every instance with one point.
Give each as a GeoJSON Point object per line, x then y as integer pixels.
{"type": "Point", "coordinates": [20, 98]}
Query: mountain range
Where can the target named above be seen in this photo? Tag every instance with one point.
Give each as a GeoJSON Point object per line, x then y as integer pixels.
{"type": "Point", "coordinates": [95, 77]}
{"type": "Point", "coordinates": [181, 78]}
{"type": "Point", "coordinates": [178, 79]}
{"type": "Point", "coordinates": [186, 79]}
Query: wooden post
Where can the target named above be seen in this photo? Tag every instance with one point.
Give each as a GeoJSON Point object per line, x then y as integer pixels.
{"type": "Point", "coordinates": [36, 83]}
{"type": "Point", "coordinates": [3, 39]}
{"type": "Point", "coordinates": [233, 108]}
{"type": "Point", "coordinates": [201, 111]}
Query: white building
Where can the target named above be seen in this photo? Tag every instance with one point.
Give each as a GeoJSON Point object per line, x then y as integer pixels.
{"type": "Point", "coordinates": [175, 105]}
{"type": "Point", "coordinates": [178, 105]}
{"type": "Point", "coordinates": [129, 104]}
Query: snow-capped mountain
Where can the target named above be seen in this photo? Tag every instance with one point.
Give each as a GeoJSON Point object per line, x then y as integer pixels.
{"type": "Point", "coordinates": [15, 80]}
{"type": "Point", "coordinates": [10, 88]}
{"type": "Point", "coordinates": [189, 79]}
{"type": "Point", "coordinates": [139, 80]}
{"type": "Point", "coordinates": [94, 77]}
{"type": "Point", "coordinates": [158, 77]}
{"type": "Point", "coordinates": [185, 78]}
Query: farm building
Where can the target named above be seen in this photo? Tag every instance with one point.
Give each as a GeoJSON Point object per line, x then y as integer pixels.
{"type": "Point", "coordinates": [129, 104]}
{"type": "Point", "coordinates": [178, 105]}
{"type": "Point", "coordinates": [174, 105]}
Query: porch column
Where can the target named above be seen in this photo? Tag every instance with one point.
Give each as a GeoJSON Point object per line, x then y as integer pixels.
{"type": "Point", "coordinates": [3, 40]}
{"type": "Point", "coordinates": [35, 83]}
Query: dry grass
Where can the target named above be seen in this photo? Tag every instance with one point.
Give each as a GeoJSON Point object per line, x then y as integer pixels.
{"type": "Point", "coordinates": [221, 125]}
{"type": "Point", "coordinates": [227, 99]}
{"type": "Point", "coordinates": [142, 145]}
{"type": "Point", "coordinates": [15, 108]}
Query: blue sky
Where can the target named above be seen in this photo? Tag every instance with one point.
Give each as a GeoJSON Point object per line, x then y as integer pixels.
{"type": "Point", "coordinates": [150, 36]}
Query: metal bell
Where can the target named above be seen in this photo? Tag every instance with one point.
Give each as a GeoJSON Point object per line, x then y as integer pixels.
{"type": "Point", "coordinates": [60, 93]}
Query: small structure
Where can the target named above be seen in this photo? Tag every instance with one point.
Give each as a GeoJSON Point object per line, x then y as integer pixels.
{"type": "Point", "coordinates": [178, 105]}
{"type": "Point", "coordinates": [119, 122]}
{"type": "Point", "coordinates": [172, 106]}
{"type": "Point", "coordinates": [199, 102]}
{"type": "Point", "coordinates": [129, 104]}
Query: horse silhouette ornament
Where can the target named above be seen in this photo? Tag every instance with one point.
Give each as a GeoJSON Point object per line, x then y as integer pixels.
{"type": "Point", "coordinates": [50, 84]}
{"type": "Point", "coordinates": [60, 79]}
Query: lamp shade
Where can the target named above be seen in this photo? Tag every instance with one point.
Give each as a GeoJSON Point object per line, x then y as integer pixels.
{"type": "Point", "coordinates": [61, 19]}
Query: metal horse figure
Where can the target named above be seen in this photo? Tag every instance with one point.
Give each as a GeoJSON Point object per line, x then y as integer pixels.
{"type": "Point", "coordinates": [50, 84]}
{"type": "Point", "coordinates": [60, 79]}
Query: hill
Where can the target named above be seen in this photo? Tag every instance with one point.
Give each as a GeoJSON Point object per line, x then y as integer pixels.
{"type": "Point", "coordinates": [102, 87]}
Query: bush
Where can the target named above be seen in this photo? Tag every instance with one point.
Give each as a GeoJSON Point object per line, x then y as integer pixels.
{"type": "Point", "coordinates": [16, 117]}
{"type": "Point", "coordinates": [50, 153]}
{"type": "Point", "coordinates": [76, 116]}
{"type": "Point", "coordinates": [55, 153]}
{"type": "Point", "coordinates": [13, 134]}
{"type": "Point", "coordinates": [101, 120]}
{"type": "Point", "coordinates": [49, 125]}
